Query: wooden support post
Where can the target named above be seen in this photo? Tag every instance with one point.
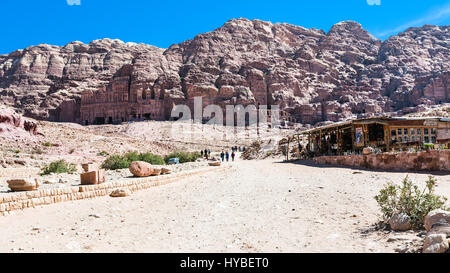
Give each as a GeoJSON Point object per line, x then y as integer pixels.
{"type": "Point", "coordinates": [287, 152]}
{"type": "Point", "coordinates": [320, 142]}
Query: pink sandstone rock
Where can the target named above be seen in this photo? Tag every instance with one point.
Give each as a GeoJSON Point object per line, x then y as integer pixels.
{"type": "Point", "coordinates": [141, 169]}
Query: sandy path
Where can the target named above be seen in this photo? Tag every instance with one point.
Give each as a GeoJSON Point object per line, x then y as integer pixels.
{"type": "Point", "coordinates": [256, 206]}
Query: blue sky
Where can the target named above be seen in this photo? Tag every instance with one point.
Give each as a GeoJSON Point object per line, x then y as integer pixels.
{"type": "Point", "coordinates": [162, 23]}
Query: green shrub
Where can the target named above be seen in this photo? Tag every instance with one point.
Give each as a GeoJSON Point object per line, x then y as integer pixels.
{"type": "Point", "coordinates": [152, 159]}
{"type": "Point", "coordinates": [116, 162]}
{"type": "Point", "coordinates": [409, 199]}
{"type": "Point", "coordinates": [132, 156]}
{"type": "Point", "coordinates": [59, 166]}
{"type": "Point", "coordinates": [183, 156]}
{"type": "Point", "coordinates": [47, 144]}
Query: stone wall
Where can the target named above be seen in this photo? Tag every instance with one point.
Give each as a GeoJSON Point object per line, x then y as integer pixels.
{"type": "Point", "coordinates": [10, 202]}
{"type": "Point", "coordinates": [423, 161]}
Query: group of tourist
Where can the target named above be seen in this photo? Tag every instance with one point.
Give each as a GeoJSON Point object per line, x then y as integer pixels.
{"type": "Point", "coordinates": [224, 155]}
{"type": "Point", "coordinates": [205, 153]}
{"type": "Point", "coordinates": [236, 149]}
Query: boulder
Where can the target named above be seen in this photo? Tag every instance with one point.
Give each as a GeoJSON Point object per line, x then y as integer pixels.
{"type": "Point", "coordinates": [436, 216]}
{"type": "Point", "coordinates": [120, 193]}
{"type": "Point", "coordinates": [23, 185]}
{"type": "Point", "coordinates": [400, 222]}
{"type": "Point", "coordinates": [141, 169]}
{"type": "Point", "coordinates": [440, 229]}
{"type": "Point", "coordinates": [165, 171]}
{"type": "Point", "coordinates": [435, 243]}
{"type": "Point", "coordinates": [214, 163]}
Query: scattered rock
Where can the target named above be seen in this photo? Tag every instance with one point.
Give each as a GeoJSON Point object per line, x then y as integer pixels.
{"type": "Point", "coordinates": [400, 222]}
{"type": "Point", "coordinates": [120, 193]}
{"type": "Point", "coordinates": [402, 249]}
{"type": "Point", "coordinates": [396, 238]}
{"type": "Point", "coordinates": [436, 243]}
{"type": "Point", "coordinates": [50, 181]}
{"type": "Point", "coordinates": [436, 216]}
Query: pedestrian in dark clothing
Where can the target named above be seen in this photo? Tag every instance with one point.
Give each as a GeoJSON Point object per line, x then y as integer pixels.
{"type": "Point", "coordinates": [206, 154]}
{"type": "Point", "coordinates": [201, 153]}
{"type": "Point", "coordinates": [227, 156]}
{"type": "Point", "coordinates": [222, 155]}
{"type": "Point", "coordinates": [233, 155]}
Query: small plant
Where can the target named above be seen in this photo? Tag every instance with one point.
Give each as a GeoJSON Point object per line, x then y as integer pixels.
{"type": "Point", "coordinates": [47, 144]}
{"type": "Point", "coordinates": [59, 166]}
{"type": "Point", "coordinates": [409, 199]}
{"type": "Point", "coordinates": [183, 156]}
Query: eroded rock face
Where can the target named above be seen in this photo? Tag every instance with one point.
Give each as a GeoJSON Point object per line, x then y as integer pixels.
{"type": "Point", "coordinates": [313, 75]}
{"type": "Point", "coordinates": [38, 79]}
{"type": "Point", "coordinates": [14, 126]}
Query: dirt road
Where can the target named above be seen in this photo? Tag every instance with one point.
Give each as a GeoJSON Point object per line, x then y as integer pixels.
{"type": "Point", "coordinates": [256, 206]}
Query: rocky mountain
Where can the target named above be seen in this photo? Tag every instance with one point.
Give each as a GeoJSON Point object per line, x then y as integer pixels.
{"type": "Point", "coordinates": [313, 75]}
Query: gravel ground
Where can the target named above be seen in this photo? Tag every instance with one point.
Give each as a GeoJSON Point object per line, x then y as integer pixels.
{"type": "Point", "coordinates": [255, 206]}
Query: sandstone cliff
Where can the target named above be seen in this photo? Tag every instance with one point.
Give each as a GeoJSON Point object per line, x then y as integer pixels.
{"type": "Point", "coordinates": [311, 74]}
{"type": "Point", "coordinates": [14, 127]}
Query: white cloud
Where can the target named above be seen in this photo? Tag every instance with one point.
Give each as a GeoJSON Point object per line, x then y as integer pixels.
{"type": "Point", "coordinates": [73, 2]}
{"type": "Point", "coordinates": [432, 17]}
{"type": "Point", "coordinates": [374, 2]}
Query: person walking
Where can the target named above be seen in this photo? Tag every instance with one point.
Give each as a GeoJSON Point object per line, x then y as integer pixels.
{"type": "Point", "coordinates": [201, 153]}
{"type": "Point", "coordinates": [222, 156]}
{"type": "Point", "coordinates": [206, 154]}
{"type": "Point", "coordinates": [227, 156]}
{"type": "Point", "coordinates": [232, 156]}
